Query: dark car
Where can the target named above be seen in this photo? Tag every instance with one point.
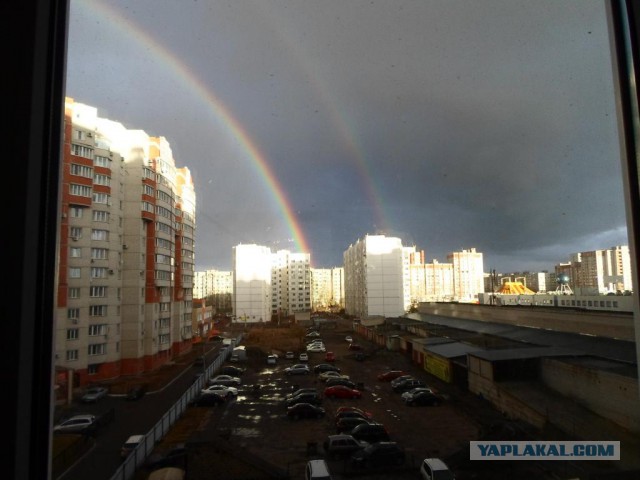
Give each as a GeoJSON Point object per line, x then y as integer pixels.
{"type": "Point", "coordinates": [347, 424]}
{"type": "Point", "coordinates": [336, 446]}
{"type": "Point", "coordinates": [390, 375]}
{"type": "Point", "coordinates": [232, 370]}
{"type": "Point", "coordinates": [401, 379]}
{"type": "Point", "coordinates": [408, 385]}
{"type": "Point", "coordinates": [305, 410]}
{"type": "Point", "coordinates": [352, 414]}
{"type": "Point", "coordinates": [332, 382]}
{"type": "Point", "coordinates": [370, 432]}
{"type": "Point", "coordinates": [424, 399]}
{"type": "Point", "coordinates": [175, 457]}
{"type": "Point", "coordinates": [136, 392]}
{"type": "Point", "coordinates": [354, 346]}
{"type": "Point", "coordinates": [379, 455]}
{"type": "Point", "coordinates": [207, 400]}
{"type": "Point", "coordinates": [341, 391]}
{"type": "Point", "coordinates": [302, 390]}
{"type": "Point", "coordinates": [325, 367]}
{"type": "Point", "coordinates": [308, 397]}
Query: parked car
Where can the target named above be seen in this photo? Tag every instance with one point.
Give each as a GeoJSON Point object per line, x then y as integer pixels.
{"type": "Point", "coordinates": [312, 334]}
{"type": "Point", "coordinates": [232, 370]}
{"type": "Point", "coordinates": [352, 413]}
{"type": "Point", "coordinates": [370, 432]}
{"type": "Point", "coordinates": [435, 469]}
{"type": "Point", "coordinates": [297, 369]}
{"type": "Point", "coordinates": [354, 346]}
{"type": "Point", "coordinates": [207, 400]}
{"type": "Point", "coordinates": [325, 367]}
{"type": "Point", "coordinates": [340, 381]}
{"type": "Point", "coordinates": [303, 357]}
{"type": "Point", "coordinates": [225, 380]}
{"type": "Point", "coordinates": [379, 455]}
{"type": "Point", "coordinates": [401, 379]}
{"type": "Point", "coordinates": [391, 375]}
{"type": "Point", "coordinates": [341, 445]}
{"type": "Point", "coordinates": [415, 391]}
{"type": "Point", "coordinates": [408, 385]}
{"type": "Point", "coordinates": [130, 445]}
{"type": "Point", "coordinates": [424, 399]}
{"type": "Point", "coordinates": [224, 391]}
{"type": "Point", "coordinates": [136, 392]}
{"type": "Point", "coordinates": [340, 391]}
{"type": "Point", "coordinates": [330, 357]}
{"type": "Point", "coordinates": [307, 397]}
{"type": "Point", "coordinates": [350, 408]}
{"type": "Point", "coordinates": [272, 359]}
{"type": "Point", "coordinates": [302, 390]}
{"type": "Point", "coordinates": [316, 348]}
{"type": "Point", "coordinates": [93, 394]}
{"type": "Point", "coordinates": [305, 410]}
{"type": "Point", "coordinates": [175, 457]}
{"type": "Point", "coordinates": [347, 424]}
{"type": "Point", "coordinates": [349, 339]}
{"type": "Point", "coordinates": [289, 355]}
{"type": "Point", "coordinates": [77, 424]}
{"type": "Point", "coordinates": [324, 376]}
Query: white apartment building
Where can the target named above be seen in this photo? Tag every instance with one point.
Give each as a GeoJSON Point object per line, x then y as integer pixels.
{"type": "Point", "coordinates": [212, 282]}
{"type": "Point", "coordinates": [374, 282]}
{"type": "Point", "coordinates": [290, 282]}
{"type": "Point", "coordinates": [126, 250]}
{"type": "Point", "coordinates": [606, 270]}
{"type": "Point", "coordinates": [468, 274]}
{"type": "Point", "coordinates": [431, 282]}
{"type": "Point", "coordinates": [327, 289]}
{"type": "Point", "coordinates": [252, 283]}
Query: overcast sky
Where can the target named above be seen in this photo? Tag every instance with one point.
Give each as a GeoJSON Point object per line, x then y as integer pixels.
{"type": "Point", "coordinates": [451, 124]}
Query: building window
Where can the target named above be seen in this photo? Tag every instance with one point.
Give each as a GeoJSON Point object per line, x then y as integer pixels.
{"type": "Point", "coordinates": [81, 170]}
{"type": "Point", "coordinates": [100, 216]}
{"type": "Point", "coordinates": [99, 253]}
{"type": "Point", "coordinates": [75, 252]}
{"type": "Point", "coordinates": [93, 369]}
{"type": "Point", "coordinates": [74, 292]}
{"type": "Point", "coordinates": [97, 330]}
{"type": "Point", "coordinates": [98, 292]}
{"type": "Point", "coordinates": [102, 235]}
{"type": "Point", "coordinates": [72, 334]}
{"type": "Point", "coordinates": [82, 151]}
{"type": "Point", "coordinates": [99, 179]}
{"type": "Point", "coordinates": [101, 198]}
{"type": "Point", "coordinates": [98, 272]}
{"type": "Point", "coordinates": [80, 190]}
{"type": "Point", "coordinates": [98, 310]}
{"type": "Point", "coordinates": [73, 313]}
{"type": "Point", "coordinates": [74, 272]}
{"type": "Point", "coordinates": [75, 233]}
{"type": "Point", "coordinates": [98, 349]}
{"type": "Point", "coordinates": [100, 161]}
{"type": "Point", "coordinates": [72, 355]}
{"type": "Point", "coordinates": [75, 212]}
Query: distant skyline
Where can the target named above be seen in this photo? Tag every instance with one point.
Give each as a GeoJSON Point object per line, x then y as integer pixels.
{"type": "Point", "coordinates": [307, 125]}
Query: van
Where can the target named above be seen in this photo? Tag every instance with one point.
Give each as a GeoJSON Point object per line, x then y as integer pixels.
{"type": "Point", "coordinates": [435, 469]}
{"type": "Point", "coordinates": [130, 445]}
{"type": "Point", "coordinates": [317, 470]}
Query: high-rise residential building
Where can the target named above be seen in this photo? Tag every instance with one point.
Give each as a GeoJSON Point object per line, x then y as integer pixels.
{"type": "Point", "coordinates": [431, 282]}
{"type": "Point", "coordinates": [126, 250]}
{"type": "Point", "coordinates": [213, 282]}
{"type": "Point", "coordinates": [290, 282]}
{"type": "Point", "coordinates": [374, 282]}
{"type": "Point", "coordinates": [468, 274]}
{"type": "Point", "coordinates": [605, 271]}
{"type": "Point", "coordinates": [327, 289]}
{"type": "Point", "coordinates": [252, 283]}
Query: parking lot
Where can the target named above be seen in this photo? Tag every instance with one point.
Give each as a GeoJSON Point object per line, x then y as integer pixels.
{"type": "Point", "coordinates": [250, 434]}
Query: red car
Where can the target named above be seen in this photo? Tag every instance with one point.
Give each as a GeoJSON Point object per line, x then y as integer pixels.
{"type": "Point", "coordinates": [341, 391]}
{"type": "Point", "coordinates": [330, 357]}
{"type": "Point", "coordinates": [391, 375]}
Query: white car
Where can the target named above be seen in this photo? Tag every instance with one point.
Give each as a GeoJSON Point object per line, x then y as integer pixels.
{"type": "Point", "coordinates": [225, 380]}
{"type": "Point", "coordinates": [222, 390]}
{"type": "Point", "coordinates": [316, 349]}
{"type": "Point", "coordinates": [93, 394]}
{"type": "Point", "coordinates": [303, 357]}
{"type": "Point", "coordinates": [289, 355]}
{"type": "Point", "coordinates": [349, 339]}
{"type": "Point", "coordinates": [272, 359]}
{"type": "Point", "coordinates": [76, 424]}
{"type": "Point", "coordinates": [298, 369]}
{"type": "Point", "coordinates": [324, 376]}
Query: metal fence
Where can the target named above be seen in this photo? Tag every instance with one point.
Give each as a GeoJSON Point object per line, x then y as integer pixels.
{"type": "Point", "coordinates": [136, 459]}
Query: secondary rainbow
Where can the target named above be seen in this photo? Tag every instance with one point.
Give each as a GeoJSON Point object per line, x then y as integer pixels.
{"type": "Point", "coordinates": [220, 112]}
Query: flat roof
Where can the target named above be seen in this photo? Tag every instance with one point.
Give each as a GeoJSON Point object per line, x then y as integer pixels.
{"type": "Point", "coordinates": [524, 353]}
{"type": "Point", "coordinates": [618, 350]}
{"type": "Point", "coordinates": [452, 350]}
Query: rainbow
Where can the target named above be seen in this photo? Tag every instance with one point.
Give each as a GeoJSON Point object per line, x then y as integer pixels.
{"type": "Point", "coordinates": [224, 116]}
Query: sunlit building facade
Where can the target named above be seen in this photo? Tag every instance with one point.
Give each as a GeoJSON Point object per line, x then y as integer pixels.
{"type": "Point", "coordinates": [290, 282]}
{"type": "Point", "coordinates": [251, 283]}
{"type": "Point", "coordinates": [126, 250]}
{"type": "Point", "coordinates": [327, 289]}
{"type": "Point", "coordinates": [468, 274]}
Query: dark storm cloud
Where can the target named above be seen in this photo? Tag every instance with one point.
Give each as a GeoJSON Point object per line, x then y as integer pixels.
{"type": "Point", "coordinates": [452, 124]}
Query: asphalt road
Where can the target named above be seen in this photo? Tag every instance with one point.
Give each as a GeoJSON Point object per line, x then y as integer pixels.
{"type": "Point", "coordinates": [131, 418]}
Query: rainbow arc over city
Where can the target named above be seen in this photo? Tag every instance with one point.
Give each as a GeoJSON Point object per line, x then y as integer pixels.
{"type": "Point", "coordinates": [223, 115]}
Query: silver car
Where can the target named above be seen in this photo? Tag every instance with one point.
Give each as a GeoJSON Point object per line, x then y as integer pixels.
{"type": "Point", "coordinates": [93, 394]}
